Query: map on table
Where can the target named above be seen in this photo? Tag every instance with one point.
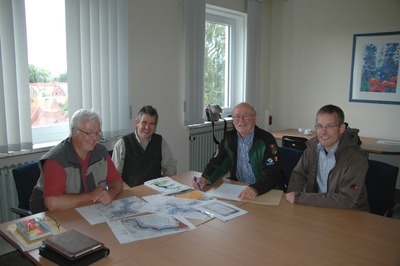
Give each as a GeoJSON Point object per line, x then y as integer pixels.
{"type": "Point", "coordinates": [148, 226]}
{"type": "Point", "coordinates": [117, 209]}
{"type": "Point", "coordinates": [173, 206]}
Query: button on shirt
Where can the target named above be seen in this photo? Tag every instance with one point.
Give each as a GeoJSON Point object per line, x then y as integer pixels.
{"type": "Point", "coordinates": [326, 161]}
{"type": "Point", "coordinates": [244, 172]}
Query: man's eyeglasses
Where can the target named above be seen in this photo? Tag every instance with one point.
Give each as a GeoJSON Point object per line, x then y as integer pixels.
{"type": "Point", "coordinates": [327, 127]}
{"type": "Point", "coordinates": [245, 117]}
{"type": "Point", "coordinates": [92, 134]}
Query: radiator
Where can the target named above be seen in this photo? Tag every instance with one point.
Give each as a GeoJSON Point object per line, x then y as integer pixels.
{"type": "Point", "coordinates": [8, 196]}
{"type": "Point", "coordinates": [202, 146]}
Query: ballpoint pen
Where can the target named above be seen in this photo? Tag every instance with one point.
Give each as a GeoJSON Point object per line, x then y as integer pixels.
{"type": "Point", "coordinates": [198, 185]}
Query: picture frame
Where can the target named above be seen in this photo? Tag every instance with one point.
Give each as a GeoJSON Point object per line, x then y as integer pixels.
{"type": "Point", "coordinates": [375, 68]}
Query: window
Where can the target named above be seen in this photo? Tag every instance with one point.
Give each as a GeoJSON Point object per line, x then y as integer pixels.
{"type": "Point", "coordinates": [232, 74]}
{"type": "Point", "coordinates": [224, 57]}
{"type": "Point", "coordinates": [94, 46]}
{"type": "Point", "coordinates": [47, 61]}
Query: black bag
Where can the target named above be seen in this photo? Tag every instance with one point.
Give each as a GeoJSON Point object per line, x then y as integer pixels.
{"type": "Point", "coordinates": [213, 113]}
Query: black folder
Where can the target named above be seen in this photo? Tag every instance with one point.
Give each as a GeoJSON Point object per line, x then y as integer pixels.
{"type": "Point", "coordinates": [82, 261]}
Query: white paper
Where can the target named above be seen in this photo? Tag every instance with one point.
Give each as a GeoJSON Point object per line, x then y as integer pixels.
{"type": "Point", "coordinates": [227, 191]}
{"type": "Point", "coordinates": [166, 185]}
{"type": "Point", "coordinates": [220, 210]}
{"type": "Point", "coordinates": [100, 213]}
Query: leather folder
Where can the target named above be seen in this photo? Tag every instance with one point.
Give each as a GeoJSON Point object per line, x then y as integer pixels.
{"type": "Point", "coordinates": [72, 244]}
{"type": "Point", "coordinates": [82, 261]}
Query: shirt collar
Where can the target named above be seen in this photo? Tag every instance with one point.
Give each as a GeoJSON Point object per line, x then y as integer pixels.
{"type": "Point", "coordinates": [332, 151]}
{"type": "Point", "coordinates": [248, 138]}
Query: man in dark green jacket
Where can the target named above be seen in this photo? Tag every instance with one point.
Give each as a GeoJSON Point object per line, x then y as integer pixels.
{"type": "Point", "coordinates": [249, 153]}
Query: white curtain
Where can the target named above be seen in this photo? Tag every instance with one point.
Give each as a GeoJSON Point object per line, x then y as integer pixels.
{"type": "Point", "coordinates": [97, 60]}
{"type": "Point", "coordinates": [194, 16]}
{"type": "Point", "coordinates": [15, 118]}
{"type": "Point", "coordinates": [254, 9]}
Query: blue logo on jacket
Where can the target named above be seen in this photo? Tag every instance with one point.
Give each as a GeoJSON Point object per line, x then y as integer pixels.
{"type": "Point", "coordinates": [270, 162]}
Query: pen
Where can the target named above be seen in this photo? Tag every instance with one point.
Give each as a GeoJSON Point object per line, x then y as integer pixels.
{"type": "Point", "coordinates": [198, 185]}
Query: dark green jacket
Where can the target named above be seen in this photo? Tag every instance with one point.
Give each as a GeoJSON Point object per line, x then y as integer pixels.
{"type": "Point", "coordinates": [263, 159]}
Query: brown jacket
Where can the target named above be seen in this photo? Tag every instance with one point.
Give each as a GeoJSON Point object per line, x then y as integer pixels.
{"type": "Point", "coordinates": [346, 187]}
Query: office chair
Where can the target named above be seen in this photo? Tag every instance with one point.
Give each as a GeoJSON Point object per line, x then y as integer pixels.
{"type": "Point", "coordinates": [298, 143]}
{"type": "Point", "coordinates": [25, 178]}
{"type": "Point", "coordinates": [288, 158]}
{"type": "Point", "coordinates": [380, 182]}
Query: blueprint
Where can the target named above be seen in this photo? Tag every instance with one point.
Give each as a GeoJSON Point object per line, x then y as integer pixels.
{"type": "Point", "coordinates": [117, 209]}
{"type": "Point", "coordinates": [173, 206]}
{"type": "Point", "coordinates": [148, 226]}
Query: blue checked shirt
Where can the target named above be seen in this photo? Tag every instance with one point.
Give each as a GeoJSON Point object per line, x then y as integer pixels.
{"type": "Point", "coordinates": [244, 172]}
{"type": "Point", "coordinates": [326, 161]}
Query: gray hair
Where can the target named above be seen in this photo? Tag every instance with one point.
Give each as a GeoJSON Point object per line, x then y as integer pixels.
{"type": "Point", "coordinates": [81, 115]}
{"type": "Point", "coordinates": [148, 110]}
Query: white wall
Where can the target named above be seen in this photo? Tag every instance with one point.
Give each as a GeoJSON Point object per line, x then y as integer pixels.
{"type": "Point", "coordinates": [156, 68]}
{"type": "Point", "coordinates": [311, 63]}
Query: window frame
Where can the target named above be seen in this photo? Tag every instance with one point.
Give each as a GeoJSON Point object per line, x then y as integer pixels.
{"type": "Point", "coordinates": [237, 21]}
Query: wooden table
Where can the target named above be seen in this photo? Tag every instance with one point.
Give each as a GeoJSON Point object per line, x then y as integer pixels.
{"type": "Point", "coordinates": [369, 145]}
{"type": "Point", "coordinates": [267, 235]}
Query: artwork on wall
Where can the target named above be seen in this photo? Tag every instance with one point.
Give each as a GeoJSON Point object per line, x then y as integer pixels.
{"type": "Point", "coordinates": [375, 68]}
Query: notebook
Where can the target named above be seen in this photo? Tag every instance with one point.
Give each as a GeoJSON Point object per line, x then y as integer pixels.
{"type": "Point", "coordinates": [72, 244]}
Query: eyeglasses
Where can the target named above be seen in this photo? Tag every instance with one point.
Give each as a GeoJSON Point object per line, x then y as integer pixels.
{"type": "Point", "coordinates": [245, 117]}
{"type": "Point", "coordinates": [92, 134]}
{"type": "Point", "coordinates": [327, 127]}
{"type": "Point", "coordinates": [47, 219]}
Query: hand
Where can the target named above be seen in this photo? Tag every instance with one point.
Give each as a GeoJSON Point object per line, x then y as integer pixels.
{"type": "Point", "coordinates": [201, 181]}
{"type": "Point", "coordinates": [101, 195]}
{"type": "Point", "coordinates": [248, 193]}
{"type": "Point", "coordinates": [290, 197]}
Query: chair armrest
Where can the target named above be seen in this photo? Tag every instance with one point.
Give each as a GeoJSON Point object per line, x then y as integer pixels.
{"type": "Point", "coordinates": [21, 212]}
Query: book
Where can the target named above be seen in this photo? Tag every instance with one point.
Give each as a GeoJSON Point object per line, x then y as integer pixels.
{"type": "Point", "coordinates": [33, 229]}
{"type": "Point", "coordinates": [72, 244]}
{"type": "Point", "coordinates": [82, 261]}
{"type": "Point", "coordinates": [166, 185]}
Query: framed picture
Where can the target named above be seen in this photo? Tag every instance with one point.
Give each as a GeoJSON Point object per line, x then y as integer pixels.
{"type": "Point", "coordinates": [375, 68]}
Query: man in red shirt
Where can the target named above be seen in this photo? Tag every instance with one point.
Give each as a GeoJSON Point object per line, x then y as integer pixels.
{"type": "Point", "coordinates": [78, 170]}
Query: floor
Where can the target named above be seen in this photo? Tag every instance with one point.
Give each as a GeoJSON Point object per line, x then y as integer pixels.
{"type": "Point", "coordinates": [10, 256]}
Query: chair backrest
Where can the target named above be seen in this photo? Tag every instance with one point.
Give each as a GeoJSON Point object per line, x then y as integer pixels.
{"type": "Point", "coordinates": [380, 182]}
{"type": "Point", "coordinates": [25, 178]}
{"type": "Point", "coordinates": [288, 158]}
{"type": "Point", "coordinates": [298, 143]}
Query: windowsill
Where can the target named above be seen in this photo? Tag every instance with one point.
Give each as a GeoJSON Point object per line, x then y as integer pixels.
{"type": "Point", "coordinates": [208, 123]}
{"type": "Point", "coordinates": [18, 157]}
{"type": "Point", "coordinates": [204, 127]}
